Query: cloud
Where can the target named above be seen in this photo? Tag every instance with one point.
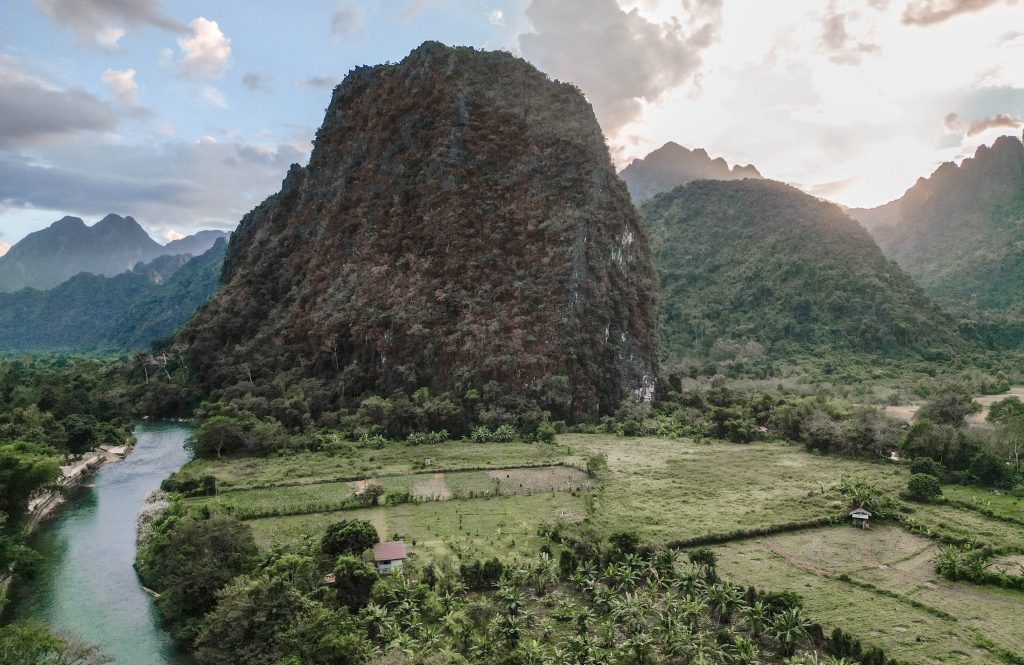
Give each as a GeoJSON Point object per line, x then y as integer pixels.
{"type": "Point", "coordinates": [171, 234]}
{"type": "Point", "coordinates": [164, 130]}
{"type": "Point", "coordinates": [256, 81]}
{"type": "Point", "coordinates": [999, 120]}
{"type": "Point", "coordinates": [168, 185]}
{"type": "Point", "coordinates": [109, 37]}
{"type": "Point", "coordinates": [207, 52]}
{"type": "Point", "coordinates": [100, 22]}
{"type": "Point", "coordinates": [930, 12]}
{"type": "Point", "coordinates": [952, 121]}
{"type": "Point", "coordinates": [620, 60]}
{"type": "Point", "coordinates": [4, 247]}
{"type": "Point", "coordinates": [349, 23]}
{"type": "Point", "coordinates": [37, 112]}
{"type": "Point", "coordinates": [497, 17]}
{"type": "Point", "coordinates": [213, 96]}
{"type": "Point", "coordinates": [320, 82]}
{"type": "Point", "coordinates": [122, 86]}
{"type": "Point", "coordinates": [413, 8]}
{"type": "Point", "coordinates": [839, 44]}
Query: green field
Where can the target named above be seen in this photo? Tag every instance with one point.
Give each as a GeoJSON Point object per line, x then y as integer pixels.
{"type": "Point", "coordinates": [505, 527]}
{"type": "Point", "coordinates": [894, 595]}
{"type": "Point", "coordinates": [1000, 503]}
{"type": "Point", "coordinates": [669, 490]}
{"type": "Point", "coordinates": [684, 489]}
{"type": "Point", "coordinates": [350, 461]}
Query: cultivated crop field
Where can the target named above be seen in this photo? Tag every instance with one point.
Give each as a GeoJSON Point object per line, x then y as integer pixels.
{"type": "Point", "coordinates": [879, 583]}
{"type": "Point", "coordinates": [890, 585]}
{"type": "Point", "coordinates": [306, 498]}
{"type": "Point", "coordinates": [505, 527]}
{"type": "Point", "coordinates": [684, 489]}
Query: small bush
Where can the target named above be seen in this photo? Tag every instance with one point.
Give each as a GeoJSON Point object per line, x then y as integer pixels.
{"type": "Point", "coordinates": [923, 487]}
{"type": "Point", "coordinates": [928, 466]}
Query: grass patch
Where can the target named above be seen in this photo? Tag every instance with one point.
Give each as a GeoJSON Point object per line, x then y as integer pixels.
{"type": "Point", "coordinates": [467, 528]}
{"type": "Point", "coordinates": [686, 490]}
{"type": "Point", "coordinates": [911, 613]}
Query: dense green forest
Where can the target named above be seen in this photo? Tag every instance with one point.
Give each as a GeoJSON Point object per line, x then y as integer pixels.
{"type": "Point", "coordinates": [95, 313]}
{"type": "Point", "coordinates": [960, 232]}
{"type": "Point", "coordinates": [758, 269]}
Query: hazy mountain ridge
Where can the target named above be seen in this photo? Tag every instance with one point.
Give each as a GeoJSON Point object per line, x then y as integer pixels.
{"type": "Point", "coordinates": [67, 247]}
{"type": "Point", "coordinates": [960, 232]}
{"type": "Point", "coordinates": [672, 165]}
{"type": "Point", "coordinates": [456, 218]}
{"type": "Point", "coordinates": [759, 260]}
{"type": "Point", "coordinates": [94, 313]}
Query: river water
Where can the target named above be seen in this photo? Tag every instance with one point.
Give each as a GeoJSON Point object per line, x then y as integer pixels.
{"type": "Point", "coordinates": [87, 585]}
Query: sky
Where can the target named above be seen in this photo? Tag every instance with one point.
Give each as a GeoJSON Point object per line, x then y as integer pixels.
{"type": "Point", "coordinates": [186, 114]}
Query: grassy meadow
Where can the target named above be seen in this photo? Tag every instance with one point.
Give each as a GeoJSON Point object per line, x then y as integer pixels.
{"type": "Point", "coordinates": [878, 583]}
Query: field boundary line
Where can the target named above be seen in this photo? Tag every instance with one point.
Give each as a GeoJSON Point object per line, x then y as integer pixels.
{"type": "Point", "coordinates": [349, 479]}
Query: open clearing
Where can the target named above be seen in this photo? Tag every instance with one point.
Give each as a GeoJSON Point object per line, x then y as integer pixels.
{"type": "Point", "coordinates": [890, 561]}
{"type": "Point", "coordinates": [906, 412]}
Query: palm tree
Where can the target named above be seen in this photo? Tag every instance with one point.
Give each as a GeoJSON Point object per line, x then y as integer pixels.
{"type": "Point", "coordinates": [788, 627]}
{"type": "Point", "coordinates": [642, 646]}
{"type": "Point", "coordinates": [724, 599]}
{"type": "Point", "coordinates": [745, 651]}
{"type": "Point", "coordinates": [757, 616]}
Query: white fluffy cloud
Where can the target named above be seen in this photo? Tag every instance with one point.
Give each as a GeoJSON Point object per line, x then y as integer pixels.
{"type": "Point", "coordinates": [621, 59]}
{"type": "Point", "coordinates": [777, 89]}
{"type": "Point", "coordinates": [206, 51]}
{"type": "Point", "coordinates": [122, 86]}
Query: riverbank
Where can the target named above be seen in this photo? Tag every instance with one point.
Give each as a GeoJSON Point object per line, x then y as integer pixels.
{"type": "Point", "coordinates": [73, 475]}
{"type": "Point", "coordinates": [85, 584]}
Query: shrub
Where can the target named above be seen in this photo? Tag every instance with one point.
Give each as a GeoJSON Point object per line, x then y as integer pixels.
{"type": "Point", "coordinates": [545, 432]}
{"type": "Point", "coordinates": [480, 434]}
{"type": "Point", "coordinates": [923, 487]}
{"type": "Point", "coordinates": [927, 465]}
{"type": "Point", "coordinates": [1005, 410]}
{"type": "Point", "coordinates": [427, 438]}
{"type": "Point", "coordinates": [504, 434]}
{"type": "Point", "coordinates": [202, 486]}
{"type": "Point", "coordinates": [987, 468]}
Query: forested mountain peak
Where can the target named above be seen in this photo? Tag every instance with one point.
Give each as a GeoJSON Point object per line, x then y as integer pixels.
{"type": "Point", "coordinates": [759, 261]}
{"type": "Point", "coordinates": [960, 232]}
{"type": "Point", "coordinates": [460, 221]}
{"type": "Point", "coordinates": [672, 165]}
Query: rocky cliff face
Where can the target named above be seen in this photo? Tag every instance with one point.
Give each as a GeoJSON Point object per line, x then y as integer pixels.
{"type": "Point", "coordinates": [460, 217]}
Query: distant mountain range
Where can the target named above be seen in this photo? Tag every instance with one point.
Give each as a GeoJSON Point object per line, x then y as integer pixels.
{"type": "Point", "coordinates": [760, 261]}
{"type": "Point", "coordinates": [67, 247]}
{"type": "Point", "coordinates": [90, 312]}
{"type": "Point", "coordinates": [960, 232]}
{"type": "Point", "coordinates": [672, 165]}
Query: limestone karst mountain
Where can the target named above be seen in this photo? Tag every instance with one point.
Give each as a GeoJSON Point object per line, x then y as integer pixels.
{"type": "Point", "coordinates": [759, 261]}
{"type": "Point", "coordinates": [960, 232]}
{"type": "Point", "coordinates": [672, 165]}
{"type": "Point", "coordinates": [459, 222]}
